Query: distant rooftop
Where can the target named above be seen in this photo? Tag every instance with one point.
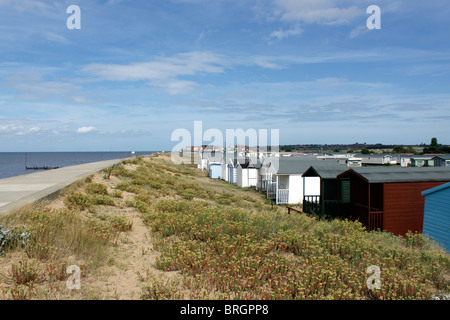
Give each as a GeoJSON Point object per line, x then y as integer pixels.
{"type": "Point", "coordinates": [399, 174]}
{"type": "Point", "coordinates": [298, 165]}
{"type": "Point", "coordinates": [443, 157]}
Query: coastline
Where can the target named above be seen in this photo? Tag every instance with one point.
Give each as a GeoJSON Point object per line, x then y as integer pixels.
{"type": "Point", "coordinates": [27, 188]}
{"type": "Point", "coordinates": [14, 164]}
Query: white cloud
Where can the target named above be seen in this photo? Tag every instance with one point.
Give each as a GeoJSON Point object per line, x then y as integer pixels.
{"type": "Point", "coordinates": [267, 62]}
{"type": "Point", "coordinates": [34, 87]}
{"type": "Point", "coordinates": [86, 129]}
{"type": "Point", "coordinates": [49, 9]}
{"type": "Point", "coordinates": [356, 32]}
{"type": "Point", "coordinates": [190, 63]}
{"type": "Point", "coordinates": [34, 129]}
{"type": "Point", "coordinates": [281, 34]}
{"type": "Point", "coordinates": [162, 72]}
{"type": "Point", "coordinates": [51, 36]}
{"type": "Point", "coordinates": [317, 11]}
{"type": "Point", "coordinates": [113, 2]}
{"type": "Point", "coordinates": [176, 87]}
{"type": "Point", "coordinates": [10, 128]}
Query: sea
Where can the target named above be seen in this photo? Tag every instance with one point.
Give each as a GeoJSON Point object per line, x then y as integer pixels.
{"type": "Point", "coordinates": [16, 163]}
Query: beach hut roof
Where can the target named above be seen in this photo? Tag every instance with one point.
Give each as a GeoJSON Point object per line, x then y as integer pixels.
{"type": "Point", "coordinates": [443, 157]}
{"type": "Point", "coordinates": [325, 170]}
{"type": "Point", "coordinates": [298, 165]}
{"type": "Point", "coordinates": [387, 174]}
{"type": "Point", "coordinates": [436, 189]}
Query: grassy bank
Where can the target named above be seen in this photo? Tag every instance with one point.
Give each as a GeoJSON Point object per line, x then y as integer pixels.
{"type": "Point", "coordinates": [207, 239]}
{"type": "Point", "coordinates": [45, 238]}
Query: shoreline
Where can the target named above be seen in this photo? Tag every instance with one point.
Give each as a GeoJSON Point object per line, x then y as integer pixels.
{"type": "Point", "coordinates": [13, 164]}
{"type": "Point", "coordinates": [24, 189]}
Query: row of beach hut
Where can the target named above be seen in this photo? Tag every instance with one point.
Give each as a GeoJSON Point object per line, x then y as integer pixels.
{"type": "Point", "coordinates": [389, 198]}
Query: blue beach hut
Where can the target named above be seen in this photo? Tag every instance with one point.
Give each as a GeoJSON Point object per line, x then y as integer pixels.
{"type": "Point", "coordinates": [436, 218]}
{"type": "Point", "coordinates": [215, 170]}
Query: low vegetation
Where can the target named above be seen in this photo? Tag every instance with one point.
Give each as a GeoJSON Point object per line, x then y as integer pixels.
{"type": "Point", "coordinates": [41, 242]}
{"type": "Point", "coordinates": [211, 240]}
{"type": "Point", "coordinates": [227, 247]}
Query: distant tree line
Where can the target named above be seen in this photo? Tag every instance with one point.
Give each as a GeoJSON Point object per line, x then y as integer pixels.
{"type": "Point", "coordinates": [401, 149]}
{"type": "Point", "coordinates": [434, 147]}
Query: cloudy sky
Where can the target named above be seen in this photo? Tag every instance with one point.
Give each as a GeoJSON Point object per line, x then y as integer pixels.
{"type": "Point", "coordinates": [139, 69]}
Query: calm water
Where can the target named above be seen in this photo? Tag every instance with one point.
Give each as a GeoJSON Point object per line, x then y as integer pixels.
{"type": "Point", "coordinates": [13, 163]}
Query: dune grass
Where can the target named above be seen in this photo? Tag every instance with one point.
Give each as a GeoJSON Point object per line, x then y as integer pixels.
{"type": "Point", "coordinates": [52, 239]}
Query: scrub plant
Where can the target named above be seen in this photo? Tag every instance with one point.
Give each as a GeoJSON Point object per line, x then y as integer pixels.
{"type": "Point", "coordinates": [26, 271]}
{"type": "Point", "coordinates": [21, 292]}
{"type": "Point", "coordinates": [252, 251]}
{"type": "Point", "coordinates": [160, 289]}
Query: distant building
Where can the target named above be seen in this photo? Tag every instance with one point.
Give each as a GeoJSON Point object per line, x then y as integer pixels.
{"type": "Point", "coordinates": [194, 148]}
{"type": "Point", "coordinates": [351, 162]}
{"type": "Point", "coordinates": [405, 159]}
{"type": "Point", "coordinates": [377, 159]}
{"type": "Point", "coordinates": [238, 148]}
{"type": "Point", "coordinates": [422, 161]}
{"type": "Point", "coordinates": [336, 156]}
{"type": "Point", "coordinates": [442, 160]}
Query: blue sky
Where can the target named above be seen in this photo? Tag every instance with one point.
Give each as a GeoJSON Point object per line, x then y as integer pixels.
{"type": "Point", "coordinates": [138, 70]}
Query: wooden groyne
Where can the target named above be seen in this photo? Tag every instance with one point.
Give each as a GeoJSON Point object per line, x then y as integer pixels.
{"type": "Point", "coordinates": [40, 168]}
{"type": "Point", "coordinates": [37, 167]}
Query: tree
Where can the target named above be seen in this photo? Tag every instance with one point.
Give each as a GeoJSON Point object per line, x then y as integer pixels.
{"type": "Point", "coordinates": [365, 151]}
{"type": "Point", "coordinates": [434, 147]}
{"type": "Point", "coordinates": [433, 142]}
{"type": "Point", "coordinates": [398, 149]}
{"type": "Point", "coordinates": [410, 150]}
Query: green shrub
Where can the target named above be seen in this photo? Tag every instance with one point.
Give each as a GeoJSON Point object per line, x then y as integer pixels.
{"type": "Point", "coordinates": [125, 186]}
{"type": "Point", "coordinates": [188, 194]}
{"type": "Point", "coordinates": [21, 292]}
{"type": "Point", "coordinates": [414, 240]}
{"type": "Point", "coordinates": [121, 223]}
{"type": "Point", "coordinates": [159, 289]}
{"type": "Point", "coordinates": [40, 251]}
{"type": "Point", "coordinates": [103, 200]}
{"type": "Point", "coordinates": [96, 188]}
{"type": "Point", "coordinates": [117, 194]}
{"type": "Point", "coordinates": [78, 200]}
